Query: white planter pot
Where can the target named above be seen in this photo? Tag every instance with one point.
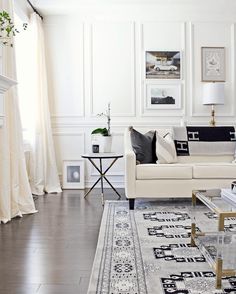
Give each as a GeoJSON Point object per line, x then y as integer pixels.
{"type": "Point", "coordinates": [106, 142]}
{"type": "Point", "coordinates": [100, 143]}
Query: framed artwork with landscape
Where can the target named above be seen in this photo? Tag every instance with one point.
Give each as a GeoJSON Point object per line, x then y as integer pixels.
{"type": "Point", "coordinates": [73, 174]}
{"type": "Point", "coordinates": [213, 64]}
{"type": "Point", "coordinates": [163, 96]}
{"type": "Point", "coordinates": [163, 65]}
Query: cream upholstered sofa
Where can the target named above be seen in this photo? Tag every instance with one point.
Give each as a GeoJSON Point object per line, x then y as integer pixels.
{"type": "Point", "coordinates": [177, 179]}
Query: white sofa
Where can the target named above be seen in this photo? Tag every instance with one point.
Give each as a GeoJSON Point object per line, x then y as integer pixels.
{"type": "Point", "coordinates": [175, 180]}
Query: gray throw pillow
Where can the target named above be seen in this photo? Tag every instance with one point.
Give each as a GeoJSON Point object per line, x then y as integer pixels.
{"type": "Point", "coordinates": [144, 146]}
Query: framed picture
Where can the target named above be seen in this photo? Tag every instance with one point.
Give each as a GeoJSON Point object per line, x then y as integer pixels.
{"type": "Point", "coordinates": [163, 96]}
{"type": "Point", "coordinates": [163, 65]}
{"type": "Point", "coordinates": [73, 174]}
{"type": "Point", "coordinates": [213, 64]}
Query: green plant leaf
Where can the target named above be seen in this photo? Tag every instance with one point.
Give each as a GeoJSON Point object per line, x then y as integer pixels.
{"type": "Point", "coordinates": [102, 131]}
{"type": "Point", "coordinates": [7, 28]}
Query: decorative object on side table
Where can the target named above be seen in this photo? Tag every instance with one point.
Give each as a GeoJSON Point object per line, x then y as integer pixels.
{"type": "Point", "coordinates": [101, 137]}
{"type": "Point", "coordinates": [73, 174]}
{"type": "Point", "coordinates": [213, 94]}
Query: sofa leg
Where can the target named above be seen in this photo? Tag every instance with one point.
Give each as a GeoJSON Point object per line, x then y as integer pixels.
{"type": "Point", "coordinates": [131, 204]}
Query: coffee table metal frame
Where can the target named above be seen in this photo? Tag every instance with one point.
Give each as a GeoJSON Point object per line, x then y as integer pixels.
{"type": "Point", "coordinates": [222, 215]}
{"type": "Point", "coordinates": [101, 156]}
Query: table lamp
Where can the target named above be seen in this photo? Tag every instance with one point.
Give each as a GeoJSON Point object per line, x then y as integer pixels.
{"type": "Point", "coordinates": [213, 94]}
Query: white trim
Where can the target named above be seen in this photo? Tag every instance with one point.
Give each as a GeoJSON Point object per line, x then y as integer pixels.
{"type": "Point", "coordinates": [191, 61]}
{"type": "Point", "coordinates": [116, 184]}
{"type": "Point", "coordinates": [232, 49]}
{"type": "Point", "coordinates": [6, 83]}
{"type": "Point", "coordinates": [123, 124]}
{"type": "Point", "coordinates": [109, 174]}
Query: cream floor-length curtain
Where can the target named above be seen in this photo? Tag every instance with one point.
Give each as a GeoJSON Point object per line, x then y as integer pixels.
{"type": "Point", "coordinates": [15, 193]}
{"type": "Point", "coordinates": [43, 169]}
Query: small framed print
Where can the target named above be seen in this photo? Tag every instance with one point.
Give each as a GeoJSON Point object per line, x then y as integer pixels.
{"type": "Point", "coordinates": [73, 174]}
{"type": "Point", "coordinates": [213, 64]}
{"type": "Point", "coordinates": [163, 96]}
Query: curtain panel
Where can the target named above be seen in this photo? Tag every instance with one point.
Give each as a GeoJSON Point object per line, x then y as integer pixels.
{"type": "Point", "coordinates": [43, 169]}
{"type": "Point", "coordinates": [15, 193]}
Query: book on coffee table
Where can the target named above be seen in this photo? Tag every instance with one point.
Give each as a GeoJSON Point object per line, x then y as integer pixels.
{"type": "Point", "coordinates": [229, 196]}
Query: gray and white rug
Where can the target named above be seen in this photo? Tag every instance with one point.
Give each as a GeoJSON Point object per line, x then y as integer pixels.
{"type": "Point", "coordinates": [147, 251]}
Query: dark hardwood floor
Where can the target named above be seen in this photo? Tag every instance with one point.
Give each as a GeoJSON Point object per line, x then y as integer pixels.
{"type": "Point", "coordinates": [52, 252]}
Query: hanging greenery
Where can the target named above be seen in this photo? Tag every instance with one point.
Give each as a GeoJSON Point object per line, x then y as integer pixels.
{"type": "Point", "coordinates": [8, 29]}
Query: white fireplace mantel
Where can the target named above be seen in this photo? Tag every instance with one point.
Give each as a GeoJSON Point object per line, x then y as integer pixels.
{"type": "Point", "coordinates": [5, 84]}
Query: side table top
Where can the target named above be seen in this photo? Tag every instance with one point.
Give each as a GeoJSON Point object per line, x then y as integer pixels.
{"type": "Point", "coordinates": [102, 155]}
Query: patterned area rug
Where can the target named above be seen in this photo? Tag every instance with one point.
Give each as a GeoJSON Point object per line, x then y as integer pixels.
{"type": "Point", "coordinates": [147, 251]}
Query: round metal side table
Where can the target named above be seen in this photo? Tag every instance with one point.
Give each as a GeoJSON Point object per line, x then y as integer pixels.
{"type": "Point", "coordinates": [101, 156]}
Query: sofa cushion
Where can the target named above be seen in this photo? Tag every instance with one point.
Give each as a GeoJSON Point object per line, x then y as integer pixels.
{"type": "Point", "coordinates": [218, 170]}
{"type": "Point", "coordinates": [205, 159]}
{"type": "Point", "coordinates": [144, 146]}
{"type": "Point", "coordinates": [163, 171]}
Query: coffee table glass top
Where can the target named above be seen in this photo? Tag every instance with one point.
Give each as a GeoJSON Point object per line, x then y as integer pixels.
{"type": "Point", "coordinates": [212, 199]}
{"type": "Point", "coordinates": [216, 245]}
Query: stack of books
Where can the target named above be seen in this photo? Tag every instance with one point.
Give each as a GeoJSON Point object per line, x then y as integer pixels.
{"type": "Point", "coordinates": [229, 196]}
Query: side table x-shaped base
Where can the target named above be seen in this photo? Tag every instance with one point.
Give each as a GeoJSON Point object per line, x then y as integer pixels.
{"type": "Point", "coordinates": [102, 173]}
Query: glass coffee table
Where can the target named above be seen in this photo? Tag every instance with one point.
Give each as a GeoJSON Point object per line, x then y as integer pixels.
{"type": "Point", "coordinates": [218, 247]}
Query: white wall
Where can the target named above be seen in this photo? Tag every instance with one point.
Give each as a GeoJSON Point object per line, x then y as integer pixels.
{"type": "Point", "coordinates": [97, 55]}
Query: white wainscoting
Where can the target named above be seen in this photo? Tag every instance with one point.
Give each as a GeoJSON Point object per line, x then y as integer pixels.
{"type": "Point", "coordinates": [101, 58]}
{"type": "Point", "coordinates": [69, 146]}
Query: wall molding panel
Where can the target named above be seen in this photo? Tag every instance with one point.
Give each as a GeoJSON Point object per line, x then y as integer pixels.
{"type": "Point", "coordinates": [179, 27]}
{"type": "Point", "coordinates": [96, 70]}
{"type": "Point", "coordinates": [62, 86]}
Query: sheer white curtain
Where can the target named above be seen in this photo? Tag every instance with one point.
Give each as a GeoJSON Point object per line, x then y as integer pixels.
{"type": "Point", "coordinates": [15, 193]}
{"type": "Point", "coordinates": [43, 169]}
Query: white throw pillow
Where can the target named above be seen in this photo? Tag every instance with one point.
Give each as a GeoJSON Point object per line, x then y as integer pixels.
{"type": "Point", "coordinates": [165, 149]}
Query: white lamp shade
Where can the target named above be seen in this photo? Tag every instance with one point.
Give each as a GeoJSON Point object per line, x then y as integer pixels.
{"type": "Point", "coordinates": [213, 93]}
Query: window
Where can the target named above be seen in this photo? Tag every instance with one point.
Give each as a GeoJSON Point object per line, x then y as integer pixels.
{"type": "Point", "coordinates": [24, 70]}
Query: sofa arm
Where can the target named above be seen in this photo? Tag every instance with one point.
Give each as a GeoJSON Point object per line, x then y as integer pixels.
{"type": "Point", "coordinates": [130, 166]}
